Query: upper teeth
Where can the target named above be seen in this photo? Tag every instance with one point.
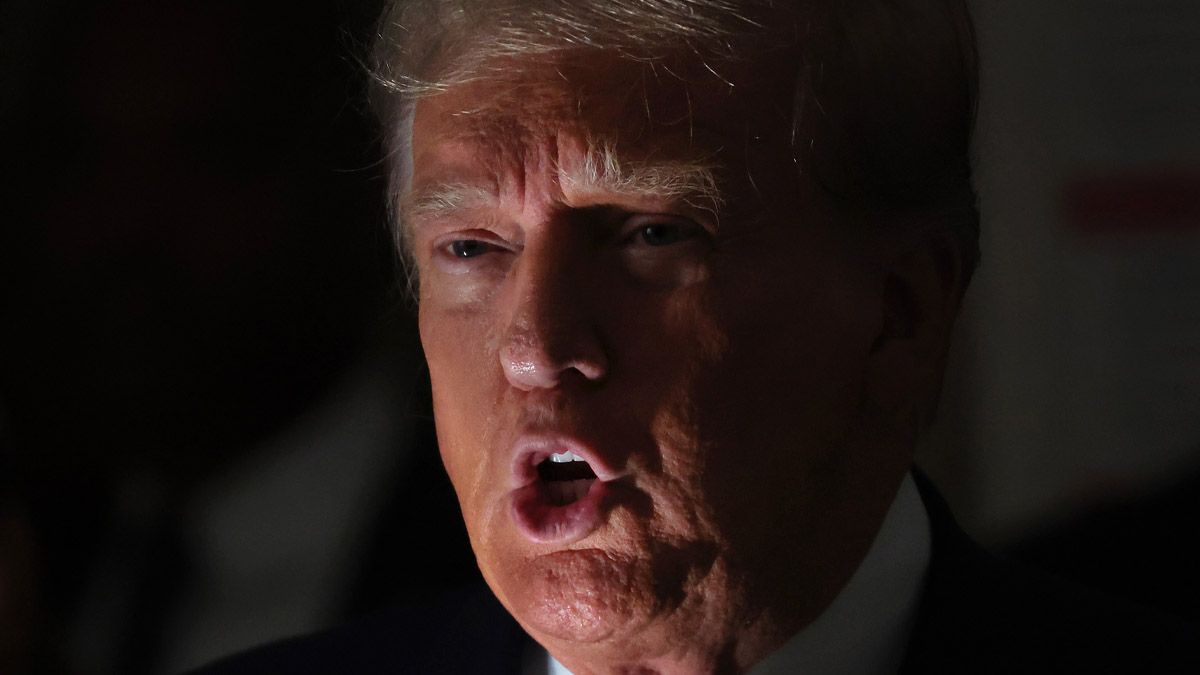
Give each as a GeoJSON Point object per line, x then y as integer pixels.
{"type": "Point", "coordinates": [567, 456]}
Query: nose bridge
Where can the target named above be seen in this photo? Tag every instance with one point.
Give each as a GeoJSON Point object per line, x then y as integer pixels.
{"type": "Point", "coordinates": [551, 329]}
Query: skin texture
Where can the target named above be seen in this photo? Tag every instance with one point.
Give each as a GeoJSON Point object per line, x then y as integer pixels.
{"type": "Point", "coordinates": [751, 375]}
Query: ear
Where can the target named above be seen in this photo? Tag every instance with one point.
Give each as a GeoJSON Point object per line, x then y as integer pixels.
{"type": "Point", "coordinates": [921, 294]}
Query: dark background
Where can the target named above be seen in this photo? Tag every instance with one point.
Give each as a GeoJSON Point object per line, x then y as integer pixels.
{"type": "Point", "coordinates": [194, 254]}
{"type": "Point", "coordinates": [197, 282]}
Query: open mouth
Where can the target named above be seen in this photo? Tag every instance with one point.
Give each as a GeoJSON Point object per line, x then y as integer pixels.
{"type": "Point", "coordinates": [560, 496]}
{"type": "Point", "coordinates": [565, 477]}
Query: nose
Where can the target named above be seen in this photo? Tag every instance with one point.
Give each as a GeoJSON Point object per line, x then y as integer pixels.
{"type": "Point", "coordinates": [552, 334]}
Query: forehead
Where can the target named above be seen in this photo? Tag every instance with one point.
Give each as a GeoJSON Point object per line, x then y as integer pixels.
{"type": "Point", "coordinates": [683, 108]}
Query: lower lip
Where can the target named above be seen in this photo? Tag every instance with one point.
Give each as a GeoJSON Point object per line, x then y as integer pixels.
{"type": "Point", "coordinates": [540, 520]}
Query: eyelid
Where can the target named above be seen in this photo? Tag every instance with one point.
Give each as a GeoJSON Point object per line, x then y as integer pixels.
{"type": "Point", "coordinates": [440, 244]}
{"type": "Point", "coordinates": [636, 222]}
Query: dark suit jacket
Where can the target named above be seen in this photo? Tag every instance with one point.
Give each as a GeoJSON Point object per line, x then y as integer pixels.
{"type": "Point", "coordinates": [983, 614]}
{"type": "Point", "coordinates": [979, 614]}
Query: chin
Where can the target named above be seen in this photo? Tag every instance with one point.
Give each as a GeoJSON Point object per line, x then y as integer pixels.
{"type": "Point", "coordinates": [587, 596]}
{"type": "Point", "coordinates": [613, 602]}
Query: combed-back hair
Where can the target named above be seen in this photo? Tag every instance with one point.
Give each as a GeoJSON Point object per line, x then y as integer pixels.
{"type": "Point", "coordinates": [884, 99]}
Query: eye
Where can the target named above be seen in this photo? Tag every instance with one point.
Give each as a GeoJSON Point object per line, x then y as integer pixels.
{"type": "Point", "coordinates": [658, 231]}
{"type": "Point", "coordinates": [663, 234]}
{"type": "Point", "coordinates": [469, 248]}
{"type": "Point", "coordinates": [664, 250]}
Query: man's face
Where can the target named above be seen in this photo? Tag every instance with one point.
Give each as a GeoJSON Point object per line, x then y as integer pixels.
{"type": "Point", "coordinates": [711, 363]}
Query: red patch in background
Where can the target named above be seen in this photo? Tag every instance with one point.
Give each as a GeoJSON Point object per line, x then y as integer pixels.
{"type": "Point", "coordinates": [1145, 202]}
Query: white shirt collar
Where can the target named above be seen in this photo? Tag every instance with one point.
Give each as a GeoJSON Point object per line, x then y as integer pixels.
{"type": "Point", "coordinates": [865, 630]}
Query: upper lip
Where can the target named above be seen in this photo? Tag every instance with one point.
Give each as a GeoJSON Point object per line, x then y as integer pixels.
{"type": "Point", "coordinates": [532, 449]}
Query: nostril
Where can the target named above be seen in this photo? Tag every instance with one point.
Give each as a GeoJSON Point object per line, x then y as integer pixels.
{"type": "Point", "coordinates": [593, 368]}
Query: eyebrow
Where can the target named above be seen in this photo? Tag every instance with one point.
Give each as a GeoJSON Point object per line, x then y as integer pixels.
{"type": "Point", "coordinates": [445, 198]}
{"type": "Point", "coordinates": [603, 173]}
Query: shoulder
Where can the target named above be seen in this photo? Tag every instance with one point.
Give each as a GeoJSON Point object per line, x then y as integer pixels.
{"type": "Point", "coordinates": [981, 613]}
{"type": "Point", "coordinates": [463, 632]}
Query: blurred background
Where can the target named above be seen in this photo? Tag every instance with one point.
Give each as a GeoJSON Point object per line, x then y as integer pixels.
{"type": "Point", "coordinates": [214, 426]}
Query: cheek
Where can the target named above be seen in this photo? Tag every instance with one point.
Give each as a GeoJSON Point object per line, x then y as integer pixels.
{"type": "Point", "coordinates": [797, 398]}
{"type": "Point", "coordinates": [463, 373]}
{"type": "Point", "coordinates": [460, 349]}
{"type": "Point", "coordinates": [776, 406]}
{"type": "Point", "coordinates": [679, 365]}
{"type": "Point", "coordinates": [800, 330]}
